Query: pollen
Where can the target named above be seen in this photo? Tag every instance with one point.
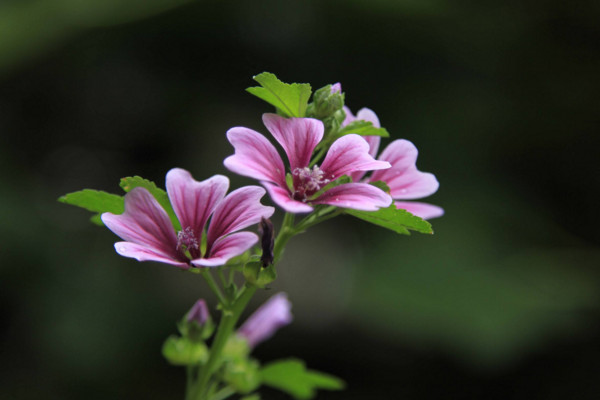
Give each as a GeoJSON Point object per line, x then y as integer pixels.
{"type": "Point", "coordinates": [186, 240]}
{"type": "Point", "coordinates": [312, 179]}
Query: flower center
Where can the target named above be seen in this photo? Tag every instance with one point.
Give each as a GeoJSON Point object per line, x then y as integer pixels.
{"type": "Point", "coordinates": [307, 182]}
{"type": "Point", "coordinates": [186, 240]}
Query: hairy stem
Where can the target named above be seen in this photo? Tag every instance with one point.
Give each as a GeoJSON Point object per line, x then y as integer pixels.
{"type": "Point", "coordinates": [226, 325]}
{"type": "Point", "coordinates": [286, 232]}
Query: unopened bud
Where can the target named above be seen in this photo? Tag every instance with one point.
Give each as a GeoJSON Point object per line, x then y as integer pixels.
{"type": "Point", "coordinates": [198, 313]}
{"type": "Point", "coordinates": [336, 88]}
{"type": "Point", "coordinates": [328, 100]}
{"type": "Point", "coordinates": [267, 239]}
{"type": "Point", "coordinates": [197, 324]}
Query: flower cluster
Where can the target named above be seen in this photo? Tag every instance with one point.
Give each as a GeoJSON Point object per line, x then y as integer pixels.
{"type": "Point", "coordinates": [329, 169]}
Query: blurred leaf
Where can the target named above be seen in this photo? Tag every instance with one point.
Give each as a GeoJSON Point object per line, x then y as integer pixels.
{"type": "Point", "coordinates": [160, 195]}
{"type": "Point", "coordinates": [363, 128]}
{"type": "Point", "coordinates": [291, 99]}
{"type": "Point", "coordinates": [291, 376]}
{"type": "Point", "coordinates": [399, 221]}
{"type": "Point", "coordinates": [96, 201]}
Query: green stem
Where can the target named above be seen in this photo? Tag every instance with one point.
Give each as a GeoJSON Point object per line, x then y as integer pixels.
{"type": "Point", "coordinates": [223, 393]}
{"type": "Point", "coordinates": [286, 232]}
{"type": "Point", "coordinates": [224, 331]}
{"type": "Point", "coordinates": [188, 382]}
{"type": "Point", "coordinates": [222, 276]}
{"type": "Point", "coordinates": [213, 285]}
{"type": "Point", "coordinates": [321, 217]}
{"type": "Point", "coordinates": [318, 156]}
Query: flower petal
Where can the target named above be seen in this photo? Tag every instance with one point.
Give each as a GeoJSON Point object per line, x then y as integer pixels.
{"type": "Point", "coordinates": [143, 253]}
{"type": "Point", "coordinates": [358, 196]}
{"type": "Point", "coordinates": [194, 201]}
{"type": "Point", "coordinates": [241, 208]}
{"type": "Point", "coordinates": [144, 222]}
{"type": "Point", "coordinates": [366, 114]}
{"type": "Point", "coordinates": [254, 156]}
{"type": "Point", "coordinates": [266, 320]}
{"type": "Point", "coordinates": [423, 210]}
{"type": "Point", "coordinates": [349, 116]}
{"type": "Point", "coordinates": [404, 179]}
{"type": "Point", "coordinates": [227, 247]}
{"type": "Point", "coordinates": [283, 199]}
{"type": "Point", "coordinates": [348, 154]}
{"type": "Point", "coordinates": [297, 136]}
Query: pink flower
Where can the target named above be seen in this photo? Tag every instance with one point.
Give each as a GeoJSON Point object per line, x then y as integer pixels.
{"type": "Point", "coordinates": [257, 158]}
{"type": "Point", "coordinates": [405, 181]}
{"type": "Point", "coordinates": [265, 321]}
{"type": "Point", "coordinates": [149, 234]}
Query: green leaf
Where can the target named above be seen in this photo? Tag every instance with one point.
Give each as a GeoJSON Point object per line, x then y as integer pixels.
{"type": "Point", "coordinates": [363, 128]}
{"type": "Point", "coordinates": [96, 201]}
{"type": "Point", "coordinates": [291, 99]}
{"type": "Point", "coordinates": [399, 221]}
{"type": "Point", "coordinates": [291, 376]}
{"type": "Point", "coordinates": [160, 195]}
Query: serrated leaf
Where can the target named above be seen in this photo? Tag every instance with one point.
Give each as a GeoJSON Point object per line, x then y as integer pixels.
{"type": "Point", "coordinates": [159, 194]}
{"type": "Point", "coordinates": [363, 128]}
{"type": "Point", "coordinates": [292, 377]}
{"type": "Point", "coordinates": [290, 99]}
{"type": "Point", "coordinates": [397, 220]}
{"type": "Point", "coordinates": [96, 201]}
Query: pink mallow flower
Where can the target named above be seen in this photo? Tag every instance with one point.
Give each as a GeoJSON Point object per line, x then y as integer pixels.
{"type": "Point", "coordinates": [257, 158]}
{"type": "Point", "coordinates": [149, 234]}
{"type": "Point", "coordinates": [265, 321]}
{"type": "Point", "coordinates": [405, 181]}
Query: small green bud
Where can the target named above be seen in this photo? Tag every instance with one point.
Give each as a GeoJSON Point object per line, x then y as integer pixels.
{"type": "Point", "coordinates": [242, 374]}
{"type": "Point", "coordinates": [183, 351]}
{"type": "Point", "coordinates": [327, 100]}
{"type": "Point", "coordinates": [197, 324]}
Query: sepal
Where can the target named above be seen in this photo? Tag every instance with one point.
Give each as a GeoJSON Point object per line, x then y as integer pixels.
{"type": "Point", "coordinates": [256, 275]}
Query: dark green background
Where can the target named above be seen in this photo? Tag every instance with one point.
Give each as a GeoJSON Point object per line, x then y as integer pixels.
{"type": "Point", "coordinates": [501, 98]}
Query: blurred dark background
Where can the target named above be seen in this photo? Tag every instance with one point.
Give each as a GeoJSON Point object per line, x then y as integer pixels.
{"type": "Point", "coordinates": [501, 98]}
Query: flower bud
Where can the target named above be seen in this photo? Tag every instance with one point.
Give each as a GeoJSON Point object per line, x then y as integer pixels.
{"type": "Point", "coordinates": [197, 323]}
{"type": "Point", "coordinates": [267, 237]}
{"type": "Point", "coordinates": [327, 101]}
{"type": "Point", "coordinates": [336, 88]}
{"type": "Point", "coordinates": [265, 321]}
{"type": "Point", "coordinates": [198, 313]}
